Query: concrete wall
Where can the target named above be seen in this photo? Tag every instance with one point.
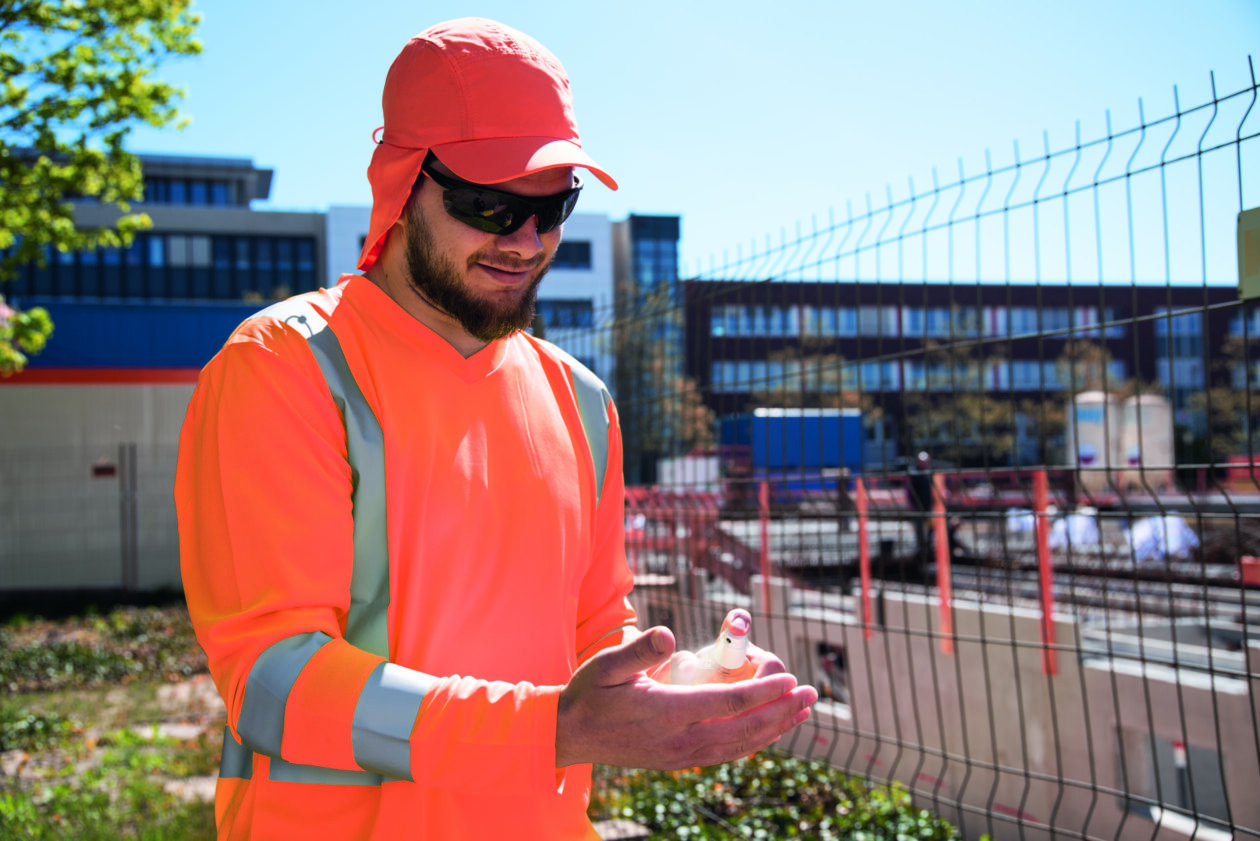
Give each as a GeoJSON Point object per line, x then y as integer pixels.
{"type": "Point", "coordinates": [77, 509]}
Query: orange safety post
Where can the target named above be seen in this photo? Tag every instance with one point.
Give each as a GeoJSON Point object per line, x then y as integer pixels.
{"type": "Point", "coordinates": [944, 581]}
{"type": "Point", "coordinates": [763, 504]}
{"type": "Point", "coordinates": [1045, 568]}
{"type": "Point", "coordinates": [864, 556]}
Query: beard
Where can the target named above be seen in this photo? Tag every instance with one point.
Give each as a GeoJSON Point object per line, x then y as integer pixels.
{"type": "Point", "coordinates": [438, 281]}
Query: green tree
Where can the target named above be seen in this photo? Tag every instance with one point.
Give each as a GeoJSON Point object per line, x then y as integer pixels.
{"type": "Point", "coordinates": [954, 415]}
{"type": "Point", "coordinates": [78, 76]}
{"type": "Point", "coordinates": [662, 411]}
{"type": "Point", "coordinates": [1231, 408]}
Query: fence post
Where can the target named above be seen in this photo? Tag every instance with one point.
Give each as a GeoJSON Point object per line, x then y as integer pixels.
{"type": "Point", "coordinates": [1045, 570]}
{"type": "Point", "coordinates": [128, 526]}
{"type": "Point", "coordinates": [763, 505]}
{"type": "Point", "coordinates": [862, 503]}
{"type": "Point", "coordinates": [944, 579]}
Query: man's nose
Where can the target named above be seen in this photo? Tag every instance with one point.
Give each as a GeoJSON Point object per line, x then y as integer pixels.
{"type": "Point", "coordinates": [524, 241]}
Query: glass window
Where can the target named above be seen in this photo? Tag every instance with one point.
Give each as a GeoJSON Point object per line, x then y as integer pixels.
{"type": "Point", "coordinates": [178, 251]}
{"type": "Point", "coordinates": [913, 321]}
{"type": "Point", "coordinates": [222, 261]}
{"type": "Point", "coordinates": [717, 316]}
{"type": "Point", "coordinates": [284, 255]}
{"type": "Point", "coordinates": [305, 255]}
{"type": "Point", "coordinates": [846, 322]}
{"type": "Point", "coordinates": [240, 248]}
{"type": "Point", "coordinates": [157, 250]}
{"type": "Point", "coordinates": [572, 254]}
{"type": "Point", "coordinates": [828, 325]}
{"type": "Point", "coordinates": [938, 322]}
{"type": "Point", "coordinates": [199, 251]}
{"type": "Point", "coordinates": [178, 191]}
{"type": "Point", "coordinates": [198, 192]}
{"type": "Point", "coordinates": [219, 193]}
{"type": "Point", "coordinates": [263, 255]}
{"type": "Point", "coordinates": [995, 321]}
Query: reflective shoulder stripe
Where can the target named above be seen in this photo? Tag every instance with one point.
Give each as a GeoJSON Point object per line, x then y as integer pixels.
{"type": "Point", "coordinates": [367, 619]}
{"type": "Point", "coordinates": [592, 401]}
{"type": "Point", "coordinates": [384, 718]}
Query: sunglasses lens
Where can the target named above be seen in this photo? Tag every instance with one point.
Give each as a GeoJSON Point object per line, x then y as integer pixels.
{"type": "Point", "coordinates": [553, 213]}
{"type": "Point", "coordinates": [483, 210]}
{"type": "Point", "coordinates": [497, 212]}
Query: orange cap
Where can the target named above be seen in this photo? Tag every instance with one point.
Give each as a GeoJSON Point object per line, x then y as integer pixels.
{"type": "Point", "coordinates": [491, 102]}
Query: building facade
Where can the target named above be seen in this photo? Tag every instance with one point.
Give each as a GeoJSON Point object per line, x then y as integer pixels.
{"type": "Point", "coordinates": [895, 347]}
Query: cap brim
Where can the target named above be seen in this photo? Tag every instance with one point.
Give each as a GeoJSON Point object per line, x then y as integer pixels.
{"type": "Point", "coordinates": [498, 159]}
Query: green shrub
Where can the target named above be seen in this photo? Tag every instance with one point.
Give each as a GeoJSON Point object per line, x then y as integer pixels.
{"type": "Point", "coordinates": [61, 664]}
{"type": "Point", "coordinates": [93, 650]}
{"type": "Point", "coordinates": [765, 797]}
{"type": "Point", "coordinates": [103, 805]}
{"type": "Point", "coordinates": [22, 729]}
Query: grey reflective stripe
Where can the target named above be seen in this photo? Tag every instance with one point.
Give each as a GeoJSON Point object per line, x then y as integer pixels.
{"type": "Point", "coordinates": [271, 679]}
{"type": "Point", "coordinates": [384, 718]}
{"type": "Point", "coordinates": [592, 401]}
{"type": "Point", "coordinates": [237, 761]}
{"type": "Point", "coordinates": [367, 619]}
{"type": "Point", "coordinates": [291, 772]}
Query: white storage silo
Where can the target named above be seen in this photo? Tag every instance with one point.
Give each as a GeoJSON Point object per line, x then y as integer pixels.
{"type": "Point", "coordinates": [1149, 454]}
{"type": "Point", "coordinates": [1094, 440]}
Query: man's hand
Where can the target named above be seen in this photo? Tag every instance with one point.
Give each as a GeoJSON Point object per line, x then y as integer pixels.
{"type": "Point", "coordinates": [612, 713]}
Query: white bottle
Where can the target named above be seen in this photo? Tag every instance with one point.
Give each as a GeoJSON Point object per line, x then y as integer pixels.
{"type": "Point", "coordinates": [724, 661]}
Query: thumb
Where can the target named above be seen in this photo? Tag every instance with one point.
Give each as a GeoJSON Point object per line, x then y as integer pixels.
{"type": "Point", "coordinates": [650, 648]}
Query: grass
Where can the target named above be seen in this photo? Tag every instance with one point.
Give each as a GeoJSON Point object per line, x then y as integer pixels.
{"type": "Point", "coordinates": [81, 731]}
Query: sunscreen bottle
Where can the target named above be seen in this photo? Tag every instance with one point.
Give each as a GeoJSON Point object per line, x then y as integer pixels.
{"type": "Point", "coordinates": [724, 661]}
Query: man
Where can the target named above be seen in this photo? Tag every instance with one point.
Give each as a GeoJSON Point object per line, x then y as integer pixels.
{"type": "Point", "coordinates": [401, 518]}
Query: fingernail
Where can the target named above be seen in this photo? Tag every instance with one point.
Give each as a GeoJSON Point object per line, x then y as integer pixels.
{"type": "Point", "coordinates": [658, 643]}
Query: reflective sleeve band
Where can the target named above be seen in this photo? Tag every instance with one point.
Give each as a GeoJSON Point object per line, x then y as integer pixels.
{"type": "Point", "coordinates": [592, 401]}
{"type": "Point", "coordinates": [237, 761]}
{"type": "Point", "coordinates": [261, 723]}
{"type": "Point", "coordinates": [384, 717]}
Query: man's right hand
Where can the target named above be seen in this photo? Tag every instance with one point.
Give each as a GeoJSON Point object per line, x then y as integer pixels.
{"type": "Point", "coordinates": [611, 713]}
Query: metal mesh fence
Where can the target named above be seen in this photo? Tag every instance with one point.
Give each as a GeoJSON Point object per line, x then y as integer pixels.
{"type": "Point", "coordinates": [982, 462]}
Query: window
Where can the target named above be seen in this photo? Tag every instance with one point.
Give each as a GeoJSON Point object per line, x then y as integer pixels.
{"type": "Point", "coordinates": [575, 254]}
{"type": "Point", "coordinates": [566, 313]}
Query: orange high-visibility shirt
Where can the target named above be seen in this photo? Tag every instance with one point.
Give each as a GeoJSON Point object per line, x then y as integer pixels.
{"type": "Point", "coordinates": [503, 571]}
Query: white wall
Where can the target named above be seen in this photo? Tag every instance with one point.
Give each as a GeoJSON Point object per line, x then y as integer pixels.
{"type": "Point", "coordinates": [62, 523]}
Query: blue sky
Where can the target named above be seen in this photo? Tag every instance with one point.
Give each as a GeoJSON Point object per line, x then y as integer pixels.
{"type": "Point", "coordinates": [746, 118]}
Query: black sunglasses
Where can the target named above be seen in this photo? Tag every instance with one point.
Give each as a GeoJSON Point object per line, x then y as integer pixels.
{"type": "Point", "coordinates": [495, 211]}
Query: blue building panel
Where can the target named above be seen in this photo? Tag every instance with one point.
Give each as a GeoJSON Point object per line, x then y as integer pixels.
{"type": "Point", "coordinates": [134, 334]}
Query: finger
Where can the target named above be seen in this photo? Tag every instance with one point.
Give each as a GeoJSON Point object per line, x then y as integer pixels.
{"type": "Point", "coordinates": [767, 663]}
{"type": "Point", "coordinates": [723, 740]}
{"type": "Point", "coordinates": [724, 700]}
{"type": "Point", "coordinates": [622, 663]}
